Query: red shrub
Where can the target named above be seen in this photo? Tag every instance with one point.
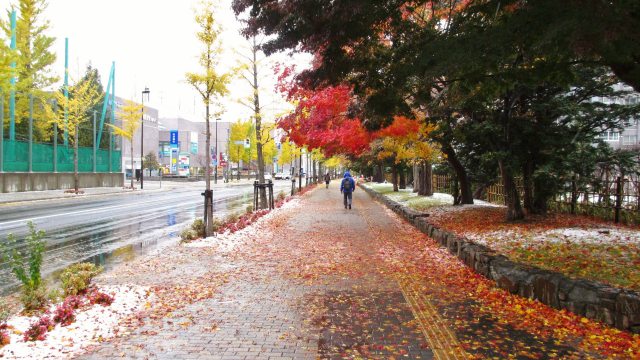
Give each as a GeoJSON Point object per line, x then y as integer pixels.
{"type": "Point", "coordinates": [74, 302]}
{"type": "Point", "coordinates": [64, 314]}
{"type": "Point", "coordinates": [98, 297]}
{"type": "Point", "coordinates": [38, 330]}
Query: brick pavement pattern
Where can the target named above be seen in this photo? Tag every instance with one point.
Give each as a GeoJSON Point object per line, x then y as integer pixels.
{"type": "Point", "coordinates": [312, 284]}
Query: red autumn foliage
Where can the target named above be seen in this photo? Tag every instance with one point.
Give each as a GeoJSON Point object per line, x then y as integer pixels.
{"type": "Point", "coordinates": [97, 297]}
{"type": "Point", "coordinates": [400, 127]}
{"type": "Point", "coordinates": [320, 119]}
{"type": "Point", "coordinates": [64, 313]}
{"type": "Point", "coordinates": [38, 330]}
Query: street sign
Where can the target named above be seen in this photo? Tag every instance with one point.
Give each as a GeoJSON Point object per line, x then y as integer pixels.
{"type": "Point", "coordinates": [173, 137]}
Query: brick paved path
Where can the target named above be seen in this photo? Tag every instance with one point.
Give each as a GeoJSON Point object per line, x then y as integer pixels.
{"type": "Point", "coordinates": [316, 284]}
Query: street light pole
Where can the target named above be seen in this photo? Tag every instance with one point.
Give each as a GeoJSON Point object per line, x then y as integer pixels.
{"type": "Point", "coordinates": [144, 92]}
{"type": "Point", "coordinates": [215, 171]}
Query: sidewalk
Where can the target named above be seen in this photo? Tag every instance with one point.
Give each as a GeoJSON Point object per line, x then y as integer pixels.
{"type": "Point", "coordinates": [313, 280]}
{"type": "Point", "coordinates": [149, 185]}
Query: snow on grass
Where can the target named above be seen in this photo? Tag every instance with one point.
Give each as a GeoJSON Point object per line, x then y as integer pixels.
{"type": "Point", "coordinates": [594, 236]}
{"type": "Point", "coordinates": [410, 198]}
{"type": "Point", "coordinates": [92, 325]}
{"type": "Point", "coordinates": [227, 241]}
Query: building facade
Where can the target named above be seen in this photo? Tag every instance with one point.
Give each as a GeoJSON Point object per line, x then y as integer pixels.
{"type": "Point", "coordinates": [189, 155]}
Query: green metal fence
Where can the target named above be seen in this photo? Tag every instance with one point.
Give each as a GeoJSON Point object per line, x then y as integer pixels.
{"type": "Point", "coordinates": [16, 155]}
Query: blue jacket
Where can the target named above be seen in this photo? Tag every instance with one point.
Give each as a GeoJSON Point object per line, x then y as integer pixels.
{"type": "Point", "coordinates": [352, 184]}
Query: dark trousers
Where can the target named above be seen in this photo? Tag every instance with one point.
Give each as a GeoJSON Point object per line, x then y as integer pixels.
{"type": "Point", "coordinates": [347, 198]}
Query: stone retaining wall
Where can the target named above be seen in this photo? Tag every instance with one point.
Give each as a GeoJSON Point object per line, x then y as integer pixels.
{"type": "Point", "coordinates": [615, 307]}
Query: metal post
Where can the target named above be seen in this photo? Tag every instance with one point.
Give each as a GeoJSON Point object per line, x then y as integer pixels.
{"type": "Point", "coordinates": [110, 151]}
{"type": "Point", "coordinates": [30, 132]}
{"type": "Point", "coordinates": [1, 133]}
{"type": "Point", "coordinates": [215, 170]}
{"type": "Point", "coordinates": [141, 147]}
{"type": "Point", "coordinates": [55, 147]}
{"type": "Point", "coordinates": [12, 93]}
{"type": "Point", "coordinates": [145, 91]}
{"type": "Point", "coordinates": [113, 118]}
{"type": "Point", "coordinates": [66, 91]}
{"type": "Point", "coordinates": [300, 174]}
{"type": "Point", "coordinates": [95, 146]}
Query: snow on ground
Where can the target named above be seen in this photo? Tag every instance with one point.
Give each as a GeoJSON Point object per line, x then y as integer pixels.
{"type": "Point", "coordinates": [92, 325]}
{"type": "Point", "coordinates": [603, 236]}
{"type": "Point", "coordinates": [413, 200]}
{"type": "Point", "coordinates": [228, 241]}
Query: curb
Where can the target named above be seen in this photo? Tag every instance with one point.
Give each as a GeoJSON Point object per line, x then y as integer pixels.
{"type": "Point", "coordinates": [615, 307]}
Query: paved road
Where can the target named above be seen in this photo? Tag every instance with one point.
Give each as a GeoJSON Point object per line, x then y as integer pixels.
{"type": "Point", "coordinates": [109, 229]}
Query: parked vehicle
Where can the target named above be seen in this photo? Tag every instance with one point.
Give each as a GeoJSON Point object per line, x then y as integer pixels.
{"type": "Point", "coordinates": [282, 176]}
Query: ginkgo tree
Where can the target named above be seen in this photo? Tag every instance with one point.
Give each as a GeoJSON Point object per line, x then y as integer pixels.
{"type": "Point", "coordinates": [210, 84]}
{"type": "Point", "coordinates": [83, 97]}
{"type": "Point", "coordinates": [33, 61]}
{"type": "Point", "coordinates": [129, 114]}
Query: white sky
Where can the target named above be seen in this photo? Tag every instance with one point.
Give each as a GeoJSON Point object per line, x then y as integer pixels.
{"type": "Point", "coordinates": [153, 44]}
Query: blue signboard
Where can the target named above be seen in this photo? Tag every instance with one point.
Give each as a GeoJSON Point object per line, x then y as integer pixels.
{"type": "Point", "coordinates": [173, 137]}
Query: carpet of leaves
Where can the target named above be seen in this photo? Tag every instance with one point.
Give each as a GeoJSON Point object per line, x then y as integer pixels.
{"type": "Point", "coordinates": [488, 321]}
{"type": "Point", "coordinates": [491, 322]}
{"type": "Point", "coordinates": [576, 246]}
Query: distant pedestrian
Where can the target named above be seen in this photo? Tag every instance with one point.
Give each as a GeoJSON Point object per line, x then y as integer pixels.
{"type": "Point", "coordinates": [327, 179]}
{"type": "Point", "coordinates": [347, 186]}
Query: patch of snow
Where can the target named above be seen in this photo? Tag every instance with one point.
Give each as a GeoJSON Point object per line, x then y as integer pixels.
{"type": "Point", "coordinates": [228, 241]}
{"type": "Point", "coordinates": [603, 236]}
{"type": "Point", "coordinates": [91, 326]}
{"type": "Point", "coordinates": [485, 203]}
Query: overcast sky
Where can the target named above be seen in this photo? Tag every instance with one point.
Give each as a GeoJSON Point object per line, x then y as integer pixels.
{"type": "Point", "coordinates": [153, 44]}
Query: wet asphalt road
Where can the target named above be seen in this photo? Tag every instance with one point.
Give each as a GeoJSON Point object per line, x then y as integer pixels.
{"type": "Point", "coordinates": [110, 229]}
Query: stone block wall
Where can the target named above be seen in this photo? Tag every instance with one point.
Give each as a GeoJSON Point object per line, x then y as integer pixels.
{"type": "Point", "coordinates": [615, 307]}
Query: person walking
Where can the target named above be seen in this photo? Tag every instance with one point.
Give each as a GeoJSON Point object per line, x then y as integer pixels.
{"type": "Point", "coordinates": [347, 186]}
{"type": "Point", "coordinates": [327, 179]}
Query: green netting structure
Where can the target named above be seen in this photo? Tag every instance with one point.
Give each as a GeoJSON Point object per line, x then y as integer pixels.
{"type": "Point", "coordinates": [16, 158]}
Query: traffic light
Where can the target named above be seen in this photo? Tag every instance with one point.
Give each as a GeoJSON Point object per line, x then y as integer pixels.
{"type": "Point", "coordinates": [247, 144]}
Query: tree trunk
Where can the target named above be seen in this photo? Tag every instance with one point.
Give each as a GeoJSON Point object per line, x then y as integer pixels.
{"type": "Point", "coordinates": [461, 174]}
{"type": "Point", "coordinates": [512, 198]}
{"type": "Point", "coordinates": [76, 177]}
{"type": "Point", "coordinates": [208, 204]}
{"type": "Point", "coordinates": [394, 177]}
{"type": "Point", "coordinates": [457, 199]}
{"type": "Point", "coordinates": [377, 177]}
{"type": "Point", "coordinates": [403, 178]}
{"type": "Point", "coordinates": [422, 185]}
{"type": "Point", "coordinates": [416, 178]}
{"type": "Point", "coordinates": [132, 167]}
{"type": "Point", "coordinates": [315, 174]}
{"type": "Point", "coordinates": [527, 179]}
{"type": "Point", "coordinates": [428, 178]}
{"type": "Point", "coordinates": [258, 116]}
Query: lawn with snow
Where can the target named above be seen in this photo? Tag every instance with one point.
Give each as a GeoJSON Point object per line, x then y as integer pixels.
{"type": "Point", "coordinates": [574, 245]}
